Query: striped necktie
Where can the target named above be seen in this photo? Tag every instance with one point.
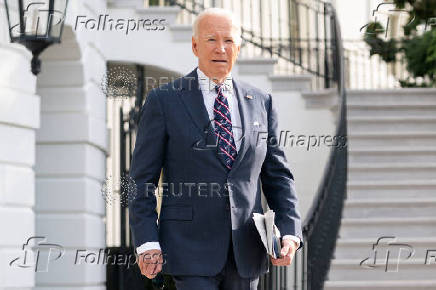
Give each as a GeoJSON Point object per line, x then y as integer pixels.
{"type": "Point", "coordinates": [223, 129]}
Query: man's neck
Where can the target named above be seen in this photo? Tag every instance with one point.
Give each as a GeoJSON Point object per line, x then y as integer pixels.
{"type": "Point", "coordinates": [216, 79]}
{"type": "Point", "coordinates": [206, 83]}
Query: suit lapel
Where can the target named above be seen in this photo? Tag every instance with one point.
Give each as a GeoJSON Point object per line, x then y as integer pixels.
{"type": "Point", "coordinates": [244, 105]}
{"type": "Point", "coordinates": [192, 99]}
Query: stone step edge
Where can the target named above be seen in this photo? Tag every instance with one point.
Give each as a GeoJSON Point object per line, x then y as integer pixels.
{"type": "Point", "coordinates": [388, 221]}
{"type": "Point", "coordinates": [391, 119]}
{"type": "Point", "coordinates": [392, 183]}
{"type": "Point", "coordinates": [378, 150]}
{"type": "Point", "coordinates": [388, 202]}
{"type": "Point", "coordinates": [375, 284]}
{"type": "Point", "coordinates": [390, 106]}
{"type": "Point", "coordinates": [384, 135]}
{"type": "Point", "coordinates": [392, 165]}
{"type": "Point", "coordinates": [344, 263]}
{"type": "Point", "coordinates": [383, 92]}
{"type": "Point", "coordinates": [366, 241]}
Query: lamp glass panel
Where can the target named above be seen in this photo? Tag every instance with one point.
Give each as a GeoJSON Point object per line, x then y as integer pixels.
{"type": "Point", "coordinates": [36, 18]}
{"type": "Point", "coordinates": [58, 18]}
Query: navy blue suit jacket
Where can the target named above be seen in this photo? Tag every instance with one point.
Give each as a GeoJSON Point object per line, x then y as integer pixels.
{"type": "Point", "coordinates": [204, 205]}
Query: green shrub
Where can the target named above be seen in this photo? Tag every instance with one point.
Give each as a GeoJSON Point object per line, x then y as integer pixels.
{"type": "Point", "coordinates": [419, 50]}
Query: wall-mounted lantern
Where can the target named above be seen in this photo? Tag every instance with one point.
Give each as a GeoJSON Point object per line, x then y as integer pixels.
{"type": "Point", "coordinates": [36, 24]}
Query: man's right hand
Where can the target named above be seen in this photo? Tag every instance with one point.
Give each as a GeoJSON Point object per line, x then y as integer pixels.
{"type": "Point", "coordinates": [150, 262]}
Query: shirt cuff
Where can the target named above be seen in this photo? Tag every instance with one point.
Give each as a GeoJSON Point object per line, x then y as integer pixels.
{"type": "Point", "coordinates": [292, 238]}
{"type": "Point", "coordinates": [147, 246]}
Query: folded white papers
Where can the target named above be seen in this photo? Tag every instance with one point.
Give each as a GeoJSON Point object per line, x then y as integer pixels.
{"type": "Point", "coordinates": [268, 231]}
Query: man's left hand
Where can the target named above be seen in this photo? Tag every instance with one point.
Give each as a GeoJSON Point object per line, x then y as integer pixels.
{"type": "Point", "coordinates": [286, 254]}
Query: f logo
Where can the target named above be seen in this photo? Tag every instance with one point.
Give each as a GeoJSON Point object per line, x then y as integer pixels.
{"type": "Point", "coordinates": [35, 16]}
{"type": "Point", "coordinates": [386, 252]}
{"type": "Point", "coordinates": [38, 256]}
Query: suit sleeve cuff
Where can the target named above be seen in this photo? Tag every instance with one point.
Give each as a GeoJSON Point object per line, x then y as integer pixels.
{"type": "Point", "coordinates": [292, 238]}
{"type": "Point", "coordinates": [147, 246]}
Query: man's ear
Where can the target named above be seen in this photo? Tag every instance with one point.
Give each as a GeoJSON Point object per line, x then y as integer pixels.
{"type": "Point", "coordinates": [238, 49]}
{"type": "Point", "coordinates": [194, 46]}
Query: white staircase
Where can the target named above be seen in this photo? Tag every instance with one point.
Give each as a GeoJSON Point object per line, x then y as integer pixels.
{"type": "Point", "coordinates": [391, 193]}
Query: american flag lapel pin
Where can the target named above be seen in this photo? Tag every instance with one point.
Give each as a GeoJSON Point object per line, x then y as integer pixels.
{"type": "Point", "coordinates": [249, 97]}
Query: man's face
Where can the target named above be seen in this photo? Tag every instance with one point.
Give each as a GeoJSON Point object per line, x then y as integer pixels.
{"type": "Point", "coordinates": [216, 46]}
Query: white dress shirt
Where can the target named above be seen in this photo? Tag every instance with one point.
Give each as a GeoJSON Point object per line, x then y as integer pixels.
{"type": "Point", "coordinates": [207, 87]}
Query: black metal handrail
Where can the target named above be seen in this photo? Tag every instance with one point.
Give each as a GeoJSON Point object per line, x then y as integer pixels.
{"type": "Point", "coordinates": [323, 221]}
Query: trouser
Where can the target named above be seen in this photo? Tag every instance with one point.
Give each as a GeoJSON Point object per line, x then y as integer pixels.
{"type": "Point", "coordinates": [227, 279]}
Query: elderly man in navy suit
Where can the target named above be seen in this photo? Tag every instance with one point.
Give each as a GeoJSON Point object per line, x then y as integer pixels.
{"type": "Point", "coordinates": [211, 137]}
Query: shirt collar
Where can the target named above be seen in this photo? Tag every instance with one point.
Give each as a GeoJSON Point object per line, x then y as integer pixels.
{"type": "Point", "coordinates": [207, 84]}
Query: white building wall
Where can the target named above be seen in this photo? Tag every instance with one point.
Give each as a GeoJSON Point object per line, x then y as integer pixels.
{"type": "Point", "coordinates": [71, 148]}
{"type": "Point", "coordinates": [19, 118]}
{"type": "Point", "coordinates": [307, 159]}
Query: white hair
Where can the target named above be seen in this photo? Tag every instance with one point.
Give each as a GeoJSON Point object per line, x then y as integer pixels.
{"type": "Point", "coordinates": [220, 12]}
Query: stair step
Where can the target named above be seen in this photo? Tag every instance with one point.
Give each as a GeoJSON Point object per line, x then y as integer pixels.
{"type": "Point", "coordinates": [389, 184]}
{"type": "Point", "coordinates": [391, 192]}
{"type": "Point", "coordinates": [169, 13]}
{"type": "Point", "coordinates": [280, 83]}
{"type": "Point", "coordinates": [390, 208]}
{"type": "Point", "coordinates": [259, 65]}
{"type": "Point", "coordinates": [391, 171]}
{"type": "Point", "coordinates": [352, 270]}
{"type": "Point", "coordinates": [374, 228]}
{"type": "Point", "coordinates": [382, 119]}
{"type": "Point", "coordinates": [385, 189]}
{"type": "Point", "coordinates": [401, 154]}
{"type": "Point", "coordinates": [381, 285]}
{"type": "Point", "coordinates": [411, 109]}
{"type": "Point", "coordinates": [181, 33]}
{"type": "Point", "coordinates": [360, 248]}
{"type": "Point", "coordinates": [394, 96]}
{"type": "Point", "coordinates": [321, 99]}
{"type": "Point", "coordinates": [392, 124]}
{"type": "Point", "coordinates": [357, 141]}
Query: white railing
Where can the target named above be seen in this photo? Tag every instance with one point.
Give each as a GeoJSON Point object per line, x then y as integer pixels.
{"type": "Point", "coordinates": [363, 71]}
